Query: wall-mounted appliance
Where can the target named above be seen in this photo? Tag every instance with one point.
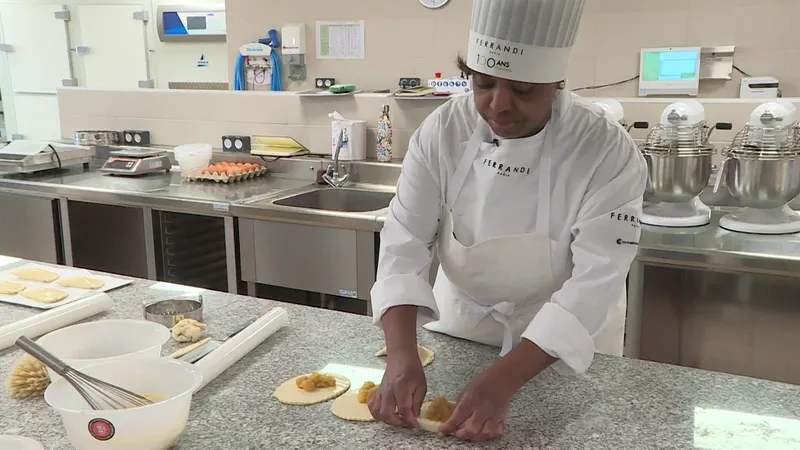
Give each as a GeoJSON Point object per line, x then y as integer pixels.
{"type": "Point", "coordinates": [669, 71]}
{"type": "Point", "coordinates": [759, 87]}
{"type": "Point", "coordinates": [191, 23]}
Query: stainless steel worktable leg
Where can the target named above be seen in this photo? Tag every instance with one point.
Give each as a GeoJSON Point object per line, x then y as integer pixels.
{"type": "Point", "coordinates": [149, 243]}
{"type": "Point", "coordinates": [633, 323]}
{"type": "Point", "coordinates": [66, 235]}
{"type": "Point", "coordinates": [230, 255]}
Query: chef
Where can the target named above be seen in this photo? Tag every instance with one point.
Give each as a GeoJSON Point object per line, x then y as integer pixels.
{"type": "Point", "coordinates": [530, 197]}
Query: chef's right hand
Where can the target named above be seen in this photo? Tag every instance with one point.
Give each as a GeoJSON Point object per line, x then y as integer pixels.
{"type": "Point", "coordinates": [399, 398]}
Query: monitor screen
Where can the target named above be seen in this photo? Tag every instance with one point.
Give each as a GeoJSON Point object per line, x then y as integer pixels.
{"type": "Point", "coordinates": [196, 22]}
{"type": "Point", "coordinates": [670, 71]}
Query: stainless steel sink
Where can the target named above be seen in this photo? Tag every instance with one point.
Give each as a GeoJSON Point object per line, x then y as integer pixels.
{"type": "Point", "coordinates": [340, 200]}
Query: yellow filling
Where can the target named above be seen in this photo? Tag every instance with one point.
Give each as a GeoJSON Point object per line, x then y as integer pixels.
{"type": "Point", "coordinates": [367, 391]}
{"type": "Point", "coordinates": [315, 381]}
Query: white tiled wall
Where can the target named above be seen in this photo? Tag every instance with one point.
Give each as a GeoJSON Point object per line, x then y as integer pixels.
{"type": "Point", "coordinates": [178, 117]}
{"type": "Point", "coordinates": [405, 39]}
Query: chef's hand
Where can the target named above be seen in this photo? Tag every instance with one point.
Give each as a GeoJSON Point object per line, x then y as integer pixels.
{"type": "Point", "coordinates": [482, 408]}
{"type": "Point", "coordinates": [399, 398]}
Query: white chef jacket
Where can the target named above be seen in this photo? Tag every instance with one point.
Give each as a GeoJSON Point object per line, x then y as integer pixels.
{"type": "Point", "coordinates": [597, 182]}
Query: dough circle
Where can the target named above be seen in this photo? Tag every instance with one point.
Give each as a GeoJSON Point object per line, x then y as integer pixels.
{"type": "Point", "coordinates": [348, 407]}
{"type": "Point", "coordinates": [425, 355]}
{"type": "Point", "coordinates": [42, 276]}
{"type": "Point", "coordinates": [45, 295]}
{"type": "Point", "coordinates": [11, 288]}
{"type": "Point", "coordinates": [290, 394]}
{"type": "Point", "coordinates": [82, 283]}
{"type": "Point", "coordinates": [428, 424]}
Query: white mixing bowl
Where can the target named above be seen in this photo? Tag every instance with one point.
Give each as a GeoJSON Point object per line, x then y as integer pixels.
{"type": "Point", "coordinates": [19, 443]}
{"type": "Point", "coordinates": [193, 156]}
{"type": "Point", "coordinates": [105, 340]}
{"type": "Point", "coordinates": [152, 427]}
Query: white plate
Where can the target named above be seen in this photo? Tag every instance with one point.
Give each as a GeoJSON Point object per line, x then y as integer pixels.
{"type": "Point", "coordinates": [63, 272]}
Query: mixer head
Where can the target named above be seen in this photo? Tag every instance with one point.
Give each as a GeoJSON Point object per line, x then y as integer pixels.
{"type": "Point", "coordinates": [683, 113]}
{"type": "Point", "coordinates": [612, 109]}
{"type": "Point", "coordinates": [771, 133]}
{"type": "Point", "coordinates": [681, 130]}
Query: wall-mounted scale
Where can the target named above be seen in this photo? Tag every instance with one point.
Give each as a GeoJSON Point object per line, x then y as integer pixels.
{"type": "Point", "coordinates": [133, 162]}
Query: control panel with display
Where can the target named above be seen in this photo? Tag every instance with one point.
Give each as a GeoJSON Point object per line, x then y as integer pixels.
{"type": "Point", "coordinates": [191, 23]}
{"type": "Point", "coordinates": [120, 163]}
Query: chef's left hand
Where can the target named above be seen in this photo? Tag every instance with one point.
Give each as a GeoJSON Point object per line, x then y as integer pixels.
{"type": "Point", "coordinates": [482, 408]}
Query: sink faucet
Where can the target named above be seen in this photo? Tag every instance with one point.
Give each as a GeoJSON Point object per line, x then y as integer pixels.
{"type": "Point", "coordinates": [331, 176]}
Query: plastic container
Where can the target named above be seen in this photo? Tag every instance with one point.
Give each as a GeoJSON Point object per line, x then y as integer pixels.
{"type": "Point", "coordinates": [152, 427]}
{"type": "Point", "coordinates": [105, 341]}
{"type": "Point", "coordinates": [193, 156]}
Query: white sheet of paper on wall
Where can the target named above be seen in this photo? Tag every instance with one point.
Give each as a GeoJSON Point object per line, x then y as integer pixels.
{"type": "Point", "coordinates": [340, 39]}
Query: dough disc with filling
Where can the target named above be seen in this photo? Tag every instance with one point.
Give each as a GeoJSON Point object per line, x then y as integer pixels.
{"type": "Point", "coordinates": [82, 283]}
{"type": "Point", "coordinates": [11, 288]}
{"type": "Point", "coordinates": [348, 407]}
{"type": "Point", "coordinates": [290, 394]}
{"type": "Point", "coordinates": [425, 355]}
{"type": "Point", "coordinates": [42, 276]}
{"type": "Point", "coordinates": [44, 295]}
{"type": "Point", "coordinates": [428, 424]}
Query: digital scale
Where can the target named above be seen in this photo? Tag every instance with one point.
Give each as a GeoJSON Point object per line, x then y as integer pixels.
{"type": "Point", "coordinates": [34, 156]}
{"type": "Point", "coordinates": [134, 162]}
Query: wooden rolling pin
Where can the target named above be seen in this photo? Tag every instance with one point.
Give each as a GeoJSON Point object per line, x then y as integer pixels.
{"type": "Point", "coordinates": [189, 348]}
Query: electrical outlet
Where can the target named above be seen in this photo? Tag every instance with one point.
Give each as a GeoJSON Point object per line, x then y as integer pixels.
{"type": "Point", "coordinates": [409, 82]}
{"type": "Point", "coordinates": [324, 83]}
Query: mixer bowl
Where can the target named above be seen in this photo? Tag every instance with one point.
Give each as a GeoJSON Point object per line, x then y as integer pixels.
{"type": "Point", "coordinates": [763, 183]}
{"type": "Point", "coordinates": [676, 178]}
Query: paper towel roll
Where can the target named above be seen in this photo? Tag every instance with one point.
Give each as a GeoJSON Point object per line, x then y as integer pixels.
{"type": "Point", "coordinates": [53, 319]}
{"type": "Point", "coordinates": [236, 347]}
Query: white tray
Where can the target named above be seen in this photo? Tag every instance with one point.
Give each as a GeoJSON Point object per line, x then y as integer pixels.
{"type": "Point", "coordinates": [63, 272]}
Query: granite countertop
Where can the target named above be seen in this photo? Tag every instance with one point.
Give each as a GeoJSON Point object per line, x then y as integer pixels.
{"type": "Point", "coordinates": [618, 404]}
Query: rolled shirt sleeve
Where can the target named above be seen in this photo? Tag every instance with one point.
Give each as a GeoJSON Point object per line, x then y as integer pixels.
{"type": "Point", "coordinates": [407, 237]}
{"type": "Point", "coordinates": [605, 241]}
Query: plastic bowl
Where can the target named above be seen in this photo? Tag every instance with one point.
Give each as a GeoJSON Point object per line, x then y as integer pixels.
{"type": "Point", "coordinates": [105, 340]}
{"type": "Point", "coordinates": [152, 427]}
{"type": "Point", "coordinates": [193, 156]}
{"type": "Point", "coordinates": [19, 443]}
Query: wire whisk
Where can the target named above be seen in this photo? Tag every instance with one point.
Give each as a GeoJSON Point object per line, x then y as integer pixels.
{"type": "Point", "coordinates": [97, 393]}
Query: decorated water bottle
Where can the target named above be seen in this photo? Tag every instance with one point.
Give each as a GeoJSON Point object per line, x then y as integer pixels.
{"type": "Point", "coordinates": [385, 136]}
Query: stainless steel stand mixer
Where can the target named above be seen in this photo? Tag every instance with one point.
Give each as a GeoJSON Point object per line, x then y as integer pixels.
{"type": "Point", "coordinates": [762, 171]}
{"type": "Point", "coordinates": [678, 158]}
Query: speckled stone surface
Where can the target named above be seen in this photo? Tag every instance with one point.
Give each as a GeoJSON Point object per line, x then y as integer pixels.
{"type": "Point", "coordinates": [618, 404]}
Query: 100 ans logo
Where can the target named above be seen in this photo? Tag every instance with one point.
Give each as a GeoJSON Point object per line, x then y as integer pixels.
{"type": "Point", "coordinates": [492, 62]}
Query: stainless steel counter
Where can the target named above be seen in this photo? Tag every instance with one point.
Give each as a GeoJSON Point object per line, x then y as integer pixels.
{"type": "Point", "coordinates": [706, 247]}
{"type": "Point", "coordinates": [157, 191]}
{"type": "Point", "coordinates": [264, 207]}
{"type": "Point", "coordinates": [711, 247]}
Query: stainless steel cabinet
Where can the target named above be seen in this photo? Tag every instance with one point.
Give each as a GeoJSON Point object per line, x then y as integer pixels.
{"type": "Point", "coordinates": [316, 259]}
{"type": "Point", "coordinates": [29, 228]}
{"type": "Point", "coordinates": [109, 238]}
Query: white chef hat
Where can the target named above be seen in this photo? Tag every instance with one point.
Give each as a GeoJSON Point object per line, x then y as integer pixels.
{"type": "Point", "coordinates": [523, 40]}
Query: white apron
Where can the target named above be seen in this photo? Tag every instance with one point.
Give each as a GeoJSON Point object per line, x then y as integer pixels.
{"type": "Point", "coordinates": [490, 291]}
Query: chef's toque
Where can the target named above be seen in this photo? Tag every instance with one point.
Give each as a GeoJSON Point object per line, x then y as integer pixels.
{"type": "Point", "coordinates": [523, 40]}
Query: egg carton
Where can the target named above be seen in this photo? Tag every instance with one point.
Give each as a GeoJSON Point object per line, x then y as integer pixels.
{"type": "Point", "coordinates": [198, 175]}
